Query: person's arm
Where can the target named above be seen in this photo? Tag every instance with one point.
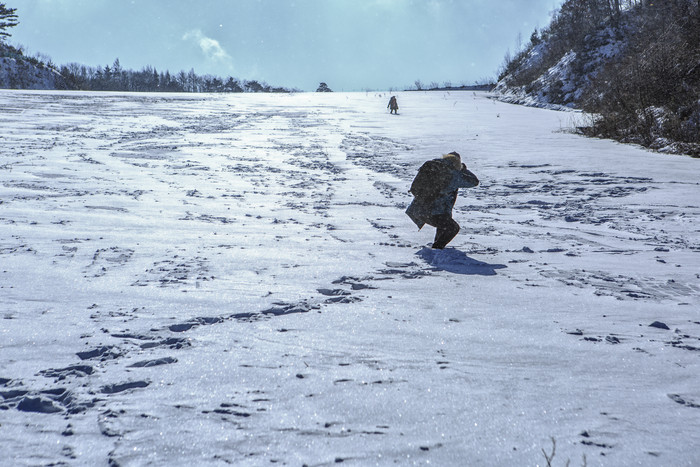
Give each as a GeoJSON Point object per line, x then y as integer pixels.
{"type": "Point", "coordinates": [467, 179]}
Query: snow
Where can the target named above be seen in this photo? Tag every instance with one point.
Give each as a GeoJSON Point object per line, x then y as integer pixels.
{"type": "Point", "coordinates": [562, 86]}
{"type": "Point", "coordinates": [231, 279]}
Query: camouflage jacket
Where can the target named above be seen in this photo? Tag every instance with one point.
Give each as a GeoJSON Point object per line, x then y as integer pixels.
{"type": "Point", "coordinates": [435, 190]}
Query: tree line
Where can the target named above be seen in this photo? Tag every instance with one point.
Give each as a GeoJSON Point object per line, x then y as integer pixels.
{"type": "Point", "coordinates": [148, 79]}
{"type": "Point", "coordinates": [116, 78]}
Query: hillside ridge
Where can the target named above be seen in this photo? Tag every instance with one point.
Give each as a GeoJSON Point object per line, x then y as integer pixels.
{"type": "Point", "coordinates": [635, 69]}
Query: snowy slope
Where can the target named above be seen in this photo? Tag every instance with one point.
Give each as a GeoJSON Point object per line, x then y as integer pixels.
{"type": "Point", "coordinates": [563, 84]}
{"type": "Point", "coordinates": [231, 279]}
{"type": "Point", "coordinates": [20, 74]}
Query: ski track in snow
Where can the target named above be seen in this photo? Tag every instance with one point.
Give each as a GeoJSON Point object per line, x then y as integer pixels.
{"type": "Point", "coordinates": [148, 239]}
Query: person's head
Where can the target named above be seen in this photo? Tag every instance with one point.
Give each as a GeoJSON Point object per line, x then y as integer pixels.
{"type": "Point", "coordinates": [454, 158]}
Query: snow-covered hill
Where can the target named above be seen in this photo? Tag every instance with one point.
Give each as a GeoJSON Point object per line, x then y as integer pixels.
{"type": "Point", "coordinates": [634, 70]}
{"type": "Point", "coordinates": [564, 83]}
{"type": "Point", "coordinates": [21, 74]}
{"type": "Point", "coordinates": [231, 280]}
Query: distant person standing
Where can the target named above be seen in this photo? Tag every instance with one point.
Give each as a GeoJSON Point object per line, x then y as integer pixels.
{"type": "Point", "coordinates": [393, 106]}
{"type": "Point", "coordinates": [435, 193]}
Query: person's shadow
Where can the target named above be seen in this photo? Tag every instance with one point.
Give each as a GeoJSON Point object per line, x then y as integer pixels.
{"type": "Point", "coordinates": [455, 261]}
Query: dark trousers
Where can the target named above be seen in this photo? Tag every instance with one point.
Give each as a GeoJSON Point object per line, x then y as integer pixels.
{"type": "Point", "coordinates": [447, 229]}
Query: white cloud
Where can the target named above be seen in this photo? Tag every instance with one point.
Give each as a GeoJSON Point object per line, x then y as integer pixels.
{"type": "Point", "coordinates": [211, 47]}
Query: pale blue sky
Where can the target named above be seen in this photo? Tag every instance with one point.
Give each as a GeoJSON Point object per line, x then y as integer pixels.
{"type": "Point", "coordinates": [352, 45]}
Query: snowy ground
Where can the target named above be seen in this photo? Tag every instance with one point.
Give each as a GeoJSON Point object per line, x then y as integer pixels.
{"type": "Point", "coordinates": [213, 280]}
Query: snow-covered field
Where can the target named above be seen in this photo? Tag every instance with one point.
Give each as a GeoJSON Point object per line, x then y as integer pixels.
{"type": "Point", "coordinates": [231, 279]}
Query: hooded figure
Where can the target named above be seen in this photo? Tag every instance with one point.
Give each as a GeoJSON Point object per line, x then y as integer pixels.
{"type": "Point", "coordinates": [435, 193]}
{"type": "Point", "coordinates": [393, 105]}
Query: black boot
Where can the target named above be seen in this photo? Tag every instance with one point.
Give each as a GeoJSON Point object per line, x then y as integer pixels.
{"type": "Point", "coordinates": [447, 229]}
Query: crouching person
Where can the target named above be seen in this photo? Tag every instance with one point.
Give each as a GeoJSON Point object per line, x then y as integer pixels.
{"type": "Point", "coordinates": [435, 193]}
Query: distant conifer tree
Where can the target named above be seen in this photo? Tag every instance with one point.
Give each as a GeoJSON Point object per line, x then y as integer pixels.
{"type": "Point", "coordinates": [8, 19]}
{"type": "Point", "coordinates": [323, 87]}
